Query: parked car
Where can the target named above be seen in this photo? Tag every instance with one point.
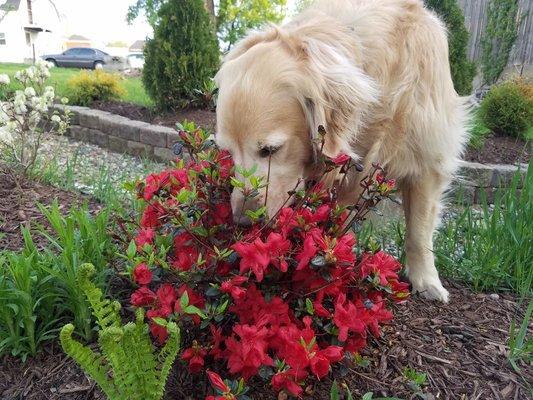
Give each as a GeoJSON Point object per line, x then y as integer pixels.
{"type": "Point", "coordinates": [136, 60]}
{"type": "Point", "coordinates": [79, 57]}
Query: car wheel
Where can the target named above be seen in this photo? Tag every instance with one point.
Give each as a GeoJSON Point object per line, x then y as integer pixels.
{"type": "Point", "coordinates": [52, 61]}
{"type": "Point", "coordinates": [98, 65]}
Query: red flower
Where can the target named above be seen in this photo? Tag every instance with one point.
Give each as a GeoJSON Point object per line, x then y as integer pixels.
{"type": "Point", "coordinates": [225, 164]}
{"type": "Point", "coordinates": [142, 274]}
{"type": "Point", "coordinates": [277, 248]}
{"type": "Point", "coordinates": [382, 265]}
{"type": "Point", "coordinates": [254, 256]}
{"type": "Point", "coordinates": [159, 332]}
{"type": "Point", "coordinates": [166, 296]}
{"type": "Point", "coordinates": [145, 236]}
{"type": "Point", "coordinates": [286, 380]}
{"type": "Point", "coordinates": [218, 339]}
{"type": "Point", "coordinates": [143, 297]}
{"type": "Point", "coordinates": [152, 215]}
{"type": "Point", "coordinates": [194, 356]}
{"type": "Point", "coordinates": [346, 318]}
{"type": "Point", "coordinates": [309, 250]}
{"type": "Point", "coordinates": [151, 187]}
{"type": "Point", "coordinates": [343, 251]}
{"type": "Point", "coordinates": [233, 287]}
{"type": "Point", "coordinates": [322, 359]}
{"type": "Point", "coordinates": [222, 213]}
{"type": "Point", "coordinates": [340, 159]}
{"type": "Point", "coordinates": [218, 383]}
{"type": "Point", "coordinates": [247, 355]}
{"type": "Point", "coordinates": [185, 252]}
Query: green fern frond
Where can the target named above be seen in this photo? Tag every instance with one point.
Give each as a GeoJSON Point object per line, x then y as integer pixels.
{"type": "Point", "coordinates": [92, 363]}
{"type": "Point", "coordinates": [105, 311]}
{"type": "Point", "coordinates": [167, 355]}
{"type": "Point", "coordinates": [129, 367]}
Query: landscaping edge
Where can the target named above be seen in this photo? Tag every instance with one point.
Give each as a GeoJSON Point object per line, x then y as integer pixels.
{"type": "Point", "coordinates": [141, 139]}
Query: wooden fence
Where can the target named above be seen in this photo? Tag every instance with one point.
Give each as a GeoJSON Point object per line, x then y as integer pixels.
{"type": "Point", "coordinates": [476, 19]}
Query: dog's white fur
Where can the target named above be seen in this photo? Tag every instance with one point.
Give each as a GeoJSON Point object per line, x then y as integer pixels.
{"type": "Point", "coordinates": [375, 74]}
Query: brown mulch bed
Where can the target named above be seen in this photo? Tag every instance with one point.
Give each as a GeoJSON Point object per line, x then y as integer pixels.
{"type": "Point", "coordinates": [18, 206]}
{"type": "Point", "coordinates": [203, 118]}
{"type": "Point", "coordinates": [500, 149]}
{"type": "Point", "coordinates": [461, 347]}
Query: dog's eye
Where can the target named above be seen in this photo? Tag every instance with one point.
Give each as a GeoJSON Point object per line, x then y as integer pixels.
{"type": "Point", "coordinates": [267, 151]}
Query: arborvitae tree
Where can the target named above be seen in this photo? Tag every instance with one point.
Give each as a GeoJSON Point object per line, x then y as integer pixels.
{"type": "Point", "coordinates": [463, 70]}
{"type": "Point", "coordinates": [183, 54]}
{"type": "Point", "coordinates": [499, 37]}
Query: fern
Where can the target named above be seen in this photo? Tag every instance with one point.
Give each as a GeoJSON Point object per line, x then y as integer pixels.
{"type": "Point", "coordinates": [128, 367]}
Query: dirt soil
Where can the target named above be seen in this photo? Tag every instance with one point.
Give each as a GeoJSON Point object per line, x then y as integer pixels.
{"type": "Point", "coordinates": [461, 347]}
{"type": "Point", "coordinates": [499, 149]}
{"type": "Point", "coordinates": [18, 206]}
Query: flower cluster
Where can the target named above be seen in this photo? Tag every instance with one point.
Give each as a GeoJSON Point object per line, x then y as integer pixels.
{"type": "Point", "coordinates": [284, 299]}
{"type": "Point", "coordinates": [26, 116]}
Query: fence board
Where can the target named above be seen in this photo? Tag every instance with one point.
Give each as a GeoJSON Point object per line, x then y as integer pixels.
{"type": "Point", "coordinates": [476, 19]}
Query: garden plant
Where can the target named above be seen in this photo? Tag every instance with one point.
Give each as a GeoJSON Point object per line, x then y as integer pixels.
{"type": "Point", "coordinates": [128, 368]}
{"type": "Point", "coordinates": [26, 117]}
{"type": "Point", "coordinates": [283, 299]}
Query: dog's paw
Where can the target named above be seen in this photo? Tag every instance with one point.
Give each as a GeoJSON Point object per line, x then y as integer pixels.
{"type": "Point", "coordinates": [430, 288]}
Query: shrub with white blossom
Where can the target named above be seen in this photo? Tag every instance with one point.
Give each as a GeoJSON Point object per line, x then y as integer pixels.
{"type": "Point", "coordinates": [27, 117]}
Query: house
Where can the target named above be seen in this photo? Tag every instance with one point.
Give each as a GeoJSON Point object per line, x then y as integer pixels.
{"type": "Point", "coordinates": [28, 29]}
{"type": "Point", "coordinates": [77, 41]}
{"type": "Point", "coordinates": [137, 47]}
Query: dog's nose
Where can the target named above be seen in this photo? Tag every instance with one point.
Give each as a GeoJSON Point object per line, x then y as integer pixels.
{"type": "Point", "coordinates": [241, 220]}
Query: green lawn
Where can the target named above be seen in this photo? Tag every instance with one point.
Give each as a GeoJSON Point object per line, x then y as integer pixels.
{"type": "Point", "coordinates": [134, 89]}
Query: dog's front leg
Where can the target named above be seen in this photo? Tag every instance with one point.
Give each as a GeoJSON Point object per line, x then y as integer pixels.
{"type": "Point", "coordinates": [421, 201]}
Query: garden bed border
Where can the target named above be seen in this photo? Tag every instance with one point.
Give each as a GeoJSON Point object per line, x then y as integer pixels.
{"type": "Point", "coordinates": [141, 139]}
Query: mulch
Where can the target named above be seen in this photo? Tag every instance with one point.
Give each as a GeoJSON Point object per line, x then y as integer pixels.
{"type": "Point", "coordinates": [501, 149]}
{"type": "Point", "coordinates": [461, 347]}
{"type": "Point", "coordinates": [18, 207]}
{"type": "Point", "coordinates": [497, 149]}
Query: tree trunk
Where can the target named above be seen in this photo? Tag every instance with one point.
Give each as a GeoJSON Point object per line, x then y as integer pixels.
{"type": "Point", "coordinates": [210, 6]}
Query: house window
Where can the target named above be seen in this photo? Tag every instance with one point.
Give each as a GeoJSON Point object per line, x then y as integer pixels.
{"type": "Point", "coordinates": [28, 38]}
{"type": "Point", "coordinates": [2, 39]}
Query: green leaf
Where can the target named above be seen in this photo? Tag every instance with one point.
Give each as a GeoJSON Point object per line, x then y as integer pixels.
{"type": "Point", "coordinates": [132, 250]}
{"type": "Point", "coordinates": [237, 183]}
{"type": "Point", "coordinates": [309, 306]}
{"type": "Point", "coordinates": [223, 307]}
{"type": "Point", "coordinates": [194, 310]}
{"type": "Point", "coordinates": [184, 301]}
{"type": "Point", "coordinates": [334, 394]}
{"type": "Point", "coordinates": [160, 321]}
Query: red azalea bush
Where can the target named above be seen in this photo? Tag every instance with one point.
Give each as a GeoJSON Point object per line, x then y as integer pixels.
{"type": "Point", "coordinates": [284, 298]}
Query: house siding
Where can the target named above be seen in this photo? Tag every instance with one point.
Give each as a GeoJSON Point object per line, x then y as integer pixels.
{"type": "Point", "coordinates": [16, 48]}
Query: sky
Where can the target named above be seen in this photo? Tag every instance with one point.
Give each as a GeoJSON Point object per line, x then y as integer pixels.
{"type": "Point", "coordinates": [101, 20]}
{"type": "Point", "coordinates": [104, 20]}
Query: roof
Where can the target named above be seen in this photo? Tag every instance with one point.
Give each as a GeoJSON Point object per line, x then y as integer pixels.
{"type": "Point", "coordinates": [78, 37]}
{"type": "Point", "coordinates": [137, 45]}
{"type": "Point", "coordinates": [10, 5]}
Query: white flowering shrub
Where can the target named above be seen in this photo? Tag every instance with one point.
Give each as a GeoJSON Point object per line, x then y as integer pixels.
{"type": "Point", "coordinates": [27, 117]}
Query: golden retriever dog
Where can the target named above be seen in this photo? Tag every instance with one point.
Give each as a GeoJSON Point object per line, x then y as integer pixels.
{"type": "Point", "coordinates": [375, 74]}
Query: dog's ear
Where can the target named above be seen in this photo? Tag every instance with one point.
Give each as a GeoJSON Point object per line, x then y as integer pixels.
{"type": "Point", "coordinates": [336, 93]}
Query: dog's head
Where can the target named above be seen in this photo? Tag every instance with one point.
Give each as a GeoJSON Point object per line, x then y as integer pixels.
{"type": "Point", "coordinates": [275, 89]}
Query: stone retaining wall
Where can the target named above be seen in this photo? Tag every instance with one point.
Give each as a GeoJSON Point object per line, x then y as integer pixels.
{"type": "Point", "coordinates": [141, 139]}
{"type": "Point", "coordinates": [476, 180]}
{"type": "Point", "coordinates": [122, 135]}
